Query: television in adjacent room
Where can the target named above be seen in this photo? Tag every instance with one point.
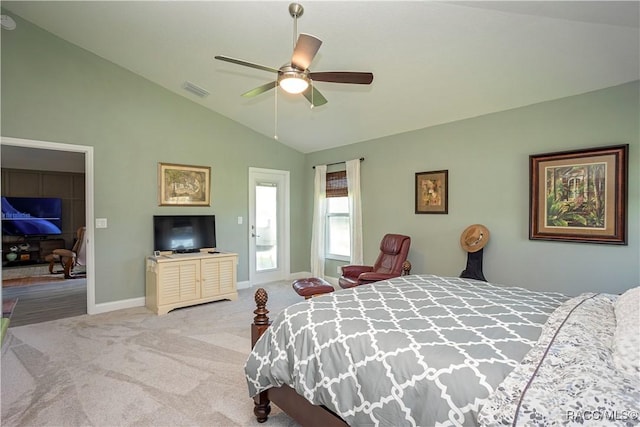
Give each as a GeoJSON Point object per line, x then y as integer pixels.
{"type": "Point", "coordinates": [184, 233]}
{"type": "Point", "coordinates": [31, 216]}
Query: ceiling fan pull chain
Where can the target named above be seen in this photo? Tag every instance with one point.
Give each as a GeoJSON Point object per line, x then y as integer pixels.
{"type": "Point", "coordinates": [275, 118]}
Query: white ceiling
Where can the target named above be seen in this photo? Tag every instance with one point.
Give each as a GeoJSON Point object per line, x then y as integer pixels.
{"type": "Point", "coordinates": [434, 62]}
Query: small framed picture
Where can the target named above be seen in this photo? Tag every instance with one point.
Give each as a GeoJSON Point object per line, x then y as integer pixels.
{"type": "Point", "coordinates": [184, 185]}
{"type": "Point", "coordinates": [432, 192]}
{"type": "Point", "coordinates": [156, 253]}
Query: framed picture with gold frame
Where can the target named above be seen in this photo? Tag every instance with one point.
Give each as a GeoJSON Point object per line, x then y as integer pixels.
{"type": "Point", "coordinates": [184, 185]}
{"type": "Point", "coordinates": [432, 192]}
{"type": "Point", "coordinates": [579, 196]}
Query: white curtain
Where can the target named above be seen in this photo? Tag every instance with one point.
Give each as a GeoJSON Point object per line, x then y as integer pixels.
{"type": "Point", "coordinates": [355, 211]}
{"type": "Point", "coordinates": [319, 220]}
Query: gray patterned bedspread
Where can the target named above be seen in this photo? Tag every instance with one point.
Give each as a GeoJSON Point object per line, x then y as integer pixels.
{"type": "Point", "coordinates": [570, 376]}
{"type": "Point", "coordinates": [415, 350]}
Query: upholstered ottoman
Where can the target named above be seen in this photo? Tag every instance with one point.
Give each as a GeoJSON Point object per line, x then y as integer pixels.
{"type": "Point", "coordinates": [311, 287]}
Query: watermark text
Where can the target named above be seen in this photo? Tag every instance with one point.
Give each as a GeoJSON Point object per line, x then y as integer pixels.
{"type": "Point", "coordinates": [602, 415]}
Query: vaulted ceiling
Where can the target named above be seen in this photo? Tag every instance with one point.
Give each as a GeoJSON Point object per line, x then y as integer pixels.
{"type": "Point", "coordinates": [433, 61]}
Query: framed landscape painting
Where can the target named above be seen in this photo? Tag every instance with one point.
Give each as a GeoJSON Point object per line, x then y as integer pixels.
{"type": "Point", "coordinates": [579, 196]}
{"type": "Point", "coordinates": [183, 185]}
{"type": "Point", "coordinates": [432, 192]}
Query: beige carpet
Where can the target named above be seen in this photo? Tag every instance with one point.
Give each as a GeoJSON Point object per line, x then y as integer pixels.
{"type": "Point", "coordinates": [133, 368]}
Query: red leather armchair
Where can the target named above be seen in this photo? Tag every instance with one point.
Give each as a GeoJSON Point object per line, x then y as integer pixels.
{"type": "Point", "coordinates": [392, 262]}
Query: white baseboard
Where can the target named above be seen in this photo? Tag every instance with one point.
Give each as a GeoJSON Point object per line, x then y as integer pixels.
{"type": "Point", "coordinates": [243, 285]}
{"type": "Point", "coordinates": [140, 302]}
{"type": "Point", "coordinates": [299, 275]}
{"type": "Point", "coordinates": [332, 280]}
{"type": "Point", "coordinates": [118, 305]}
{"type": "Point", "coordinates": [294, 276]}
{"type": "Point", "coordinates": [303, 274]}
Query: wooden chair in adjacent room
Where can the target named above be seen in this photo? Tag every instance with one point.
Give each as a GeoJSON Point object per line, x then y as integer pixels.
{"type": "Point", "coordinates": [69, 259]}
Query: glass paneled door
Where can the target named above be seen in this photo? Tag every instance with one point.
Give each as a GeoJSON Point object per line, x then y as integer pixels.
{"type": "Point", "coordinates": [268, 225]}
{"type": "Point", "coordinates": [265, 231]}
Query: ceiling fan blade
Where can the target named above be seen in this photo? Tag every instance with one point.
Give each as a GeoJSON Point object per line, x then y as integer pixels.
{"type": "Point", "coordinates": [246, 64]}
{"type": "Point", "coordinates": [260, 89]}
{"type": "Point", "coordinates": [314, 96]}
{"type": "Point", "coordinates": [306, 48]}
{"type": "Point", "coordinates": [343, 77]}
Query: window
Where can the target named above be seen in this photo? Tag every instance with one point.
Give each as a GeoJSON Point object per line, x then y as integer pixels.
{"type": "Point", "coordinates": [338, 241]}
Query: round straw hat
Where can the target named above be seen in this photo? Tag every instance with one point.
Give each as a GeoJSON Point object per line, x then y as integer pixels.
{"type": "Point", "coordinates": [474, 238]}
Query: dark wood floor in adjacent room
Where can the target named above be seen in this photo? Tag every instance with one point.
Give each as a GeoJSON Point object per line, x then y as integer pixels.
{"type": "Point", "coordinates": [42, 302]}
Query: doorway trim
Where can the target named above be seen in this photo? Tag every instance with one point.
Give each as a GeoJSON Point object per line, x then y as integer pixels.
{"type": "Point", "coordinates": [285, 236]}
{"type": "Point", "coordinates": [89, 180]}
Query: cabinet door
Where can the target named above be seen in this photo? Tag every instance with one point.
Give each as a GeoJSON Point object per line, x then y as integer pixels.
{"type": "Point", "coordinates": [210, 277]}
{"type": "Point", "coordinates": [218, 276]}
{"type": "Point", "coordinates": [179, 281]}
{"type": "Point", "coordinates": [189, 280]}
{"type": "Point", "coordinates": [168, 283]}
{"type": "Point", "coordinates": [227, 275]}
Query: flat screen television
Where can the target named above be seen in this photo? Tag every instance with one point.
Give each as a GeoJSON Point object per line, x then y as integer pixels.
{"type": "Point", "coordinates": [31, 216]}
{"type": "Point", "coordinates": [184, 233]}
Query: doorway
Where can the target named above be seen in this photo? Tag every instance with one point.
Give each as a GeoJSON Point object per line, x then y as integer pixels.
{"type": "Point", "coordinates": [40, 154]}
{"type": "Point", "coordinates": [269, 225]}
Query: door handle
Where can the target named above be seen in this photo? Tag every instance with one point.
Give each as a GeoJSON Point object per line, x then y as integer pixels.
{"type": "Point", "coordinates": [254, 235]}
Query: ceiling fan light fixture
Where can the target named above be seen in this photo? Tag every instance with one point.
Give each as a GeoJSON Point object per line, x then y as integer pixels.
{"type": "Point", "coordinates": [295, 77]}
{"type": "Point", "coordinates": [294, 83]}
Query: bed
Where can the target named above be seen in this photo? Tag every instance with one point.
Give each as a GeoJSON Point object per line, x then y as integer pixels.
{"type": "Point", "coordinates": [428, 350]}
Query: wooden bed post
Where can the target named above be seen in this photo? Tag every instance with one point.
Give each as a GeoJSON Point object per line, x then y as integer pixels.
{"type": "Point", "coordinates": [293, 404]}
{"type": "Point", "coordinates": [262, 406]}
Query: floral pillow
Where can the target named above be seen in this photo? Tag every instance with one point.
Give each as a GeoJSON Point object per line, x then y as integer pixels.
{"type": "Point", "coordinates": [626, 343]}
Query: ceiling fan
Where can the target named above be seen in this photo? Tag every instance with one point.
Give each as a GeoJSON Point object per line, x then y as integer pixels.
{"type": "Point", "coordinates": [296, 77]}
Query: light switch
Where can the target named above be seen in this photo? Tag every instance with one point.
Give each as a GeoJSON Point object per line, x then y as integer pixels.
{"type": "Point", "coordinates": [239, 220]}
{"type": "Point", "coordinates": [101, 222]}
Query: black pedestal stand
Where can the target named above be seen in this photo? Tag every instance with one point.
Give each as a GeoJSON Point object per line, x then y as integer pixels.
{"type": "Point", "coordinates": [474, 266]}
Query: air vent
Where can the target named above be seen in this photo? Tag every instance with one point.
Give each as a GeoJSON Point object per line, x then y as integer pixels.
{"type": "Point", "coordinates": [194, 89]}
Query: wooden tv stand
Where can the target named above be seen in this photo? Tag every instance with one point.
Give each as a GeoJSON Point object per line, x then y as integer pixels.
{"type": "Point", "coordinates": [181, 280]}
{"type": "Point", "coordinates": [36, 251]}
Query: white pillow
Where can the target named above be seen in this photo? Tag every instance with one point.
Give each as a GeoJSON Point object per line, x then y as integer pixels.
{"type": "Point", "coordinates": [626, 341]}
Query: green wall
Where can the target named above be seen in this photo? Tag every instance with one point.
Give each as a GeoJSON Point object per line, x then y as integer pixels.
{"type": "Point", "coordinates": [55, 91]}
{"type": "Point", "coordinates": [488, 162]}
